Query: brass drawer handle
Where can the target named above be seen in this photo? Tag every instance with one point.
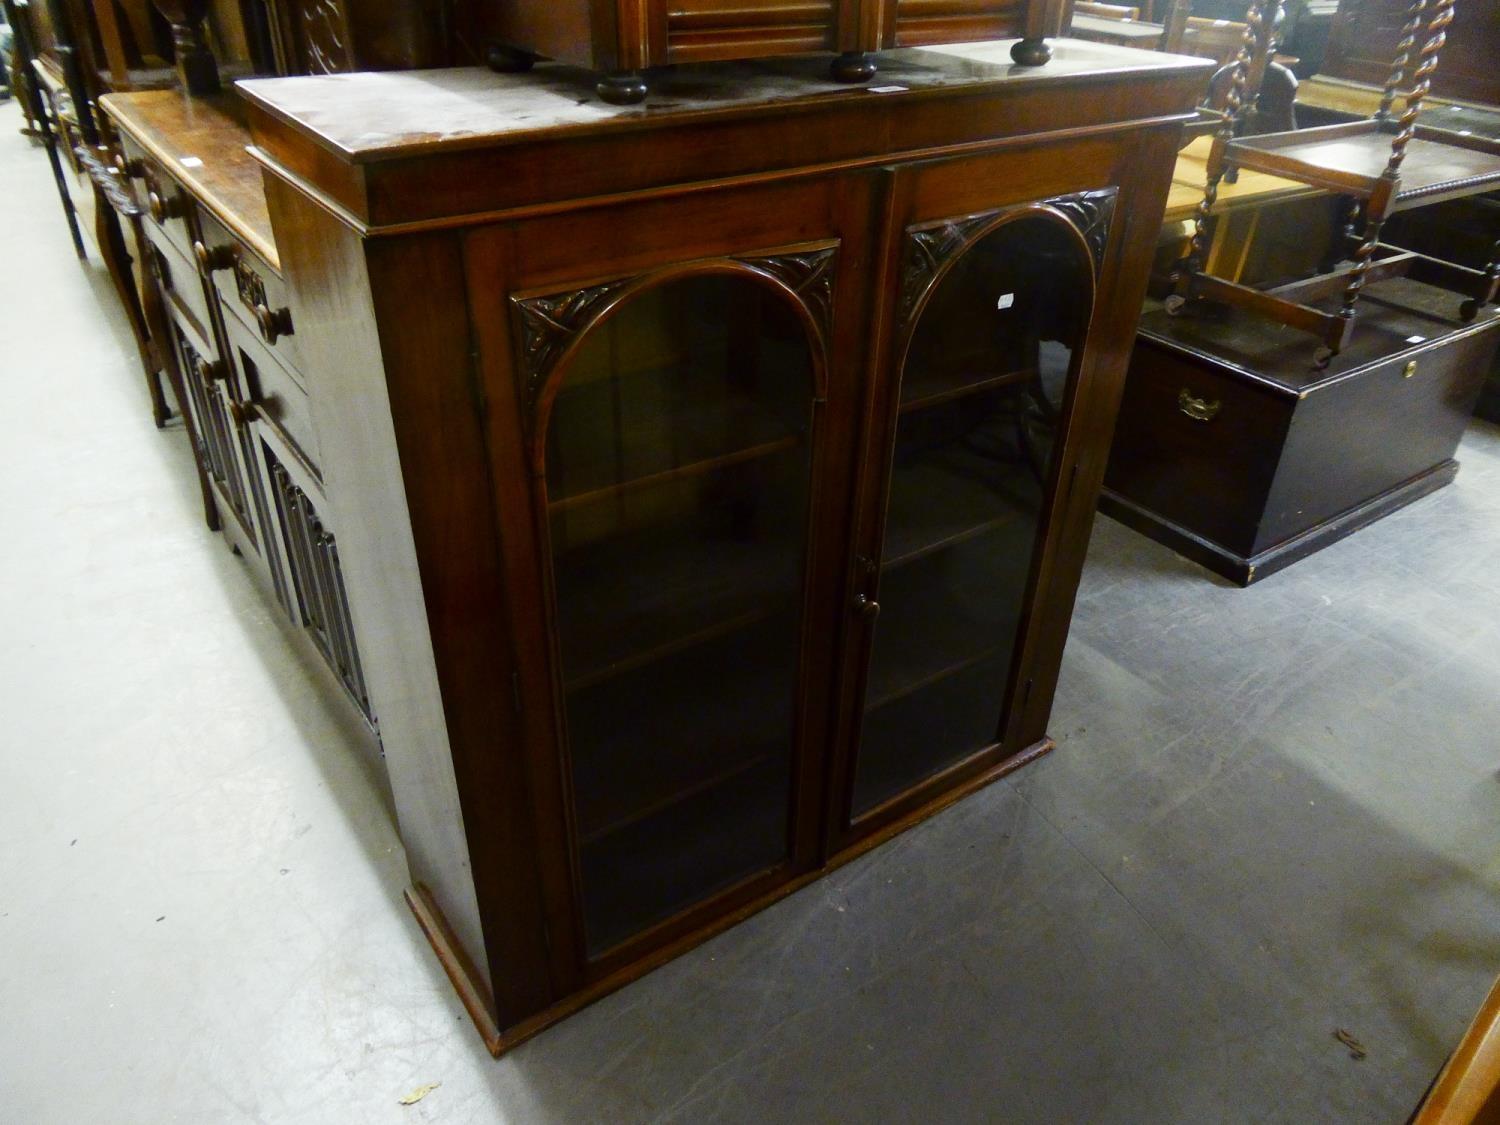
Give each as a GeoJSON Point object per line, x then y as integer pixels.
{"type": "Point", "coordinates": [274, 323]}
{"type": "Point", "coordinates": [211, 258]}
{"type": "Point", "coordinates": [166, 208]}
{"type": "Point", "coordinates": [1409, 370]}
{"type": "Point", "coordinates": [1198, 409]}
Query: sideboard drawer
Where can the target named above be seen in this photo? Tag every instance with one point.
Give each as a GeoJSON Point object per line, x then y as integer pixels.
{"type": "Point", "coordinates": [272, 388]}
{"type": "Point", "coordinates": [170, 209]}
{"type": "Point", "coordinates": [252, 292]}
{"type": "Point", "coordinates": [179, 279]}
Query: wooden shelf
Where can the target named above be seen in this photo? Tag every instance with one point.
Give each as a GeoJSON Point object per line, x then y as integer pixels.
{"type": "Point", "coordinates": [656, 866]}
{"type": "Point", "coordinates": [949, 611]}
{"type": "Point", "coordinates": [935, 388]}
{"type": "Point", "coordinates": [949, 496]}
{"type": "Point", "coordinates": [632, 601]}
{"type": "Point", "coordinates": [646, 428]}
{"type": "Point", "coordinates": [656, 736]}
{"type": "Point", "coordinates": [959, 714]}
{"type": "Point", "coordinates": [1350, 159]}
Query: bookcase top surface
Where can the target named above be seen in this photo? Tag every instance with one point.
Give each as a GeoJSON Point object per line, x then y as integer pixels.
{"type": "Point", "coordinates": [376, 116]}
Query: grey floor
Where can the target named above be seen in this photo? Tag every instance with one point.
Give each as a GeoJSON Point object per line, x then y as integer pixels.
{"type": "Point", "coordinates": [1273, 813]}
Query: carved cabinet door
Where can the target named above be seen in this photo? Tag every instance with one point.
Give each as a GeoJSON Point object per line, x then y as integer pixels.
{"type": "Point", "coordinates": [985, 325]}
{"type": "Point", "coordinates": [685, 418]}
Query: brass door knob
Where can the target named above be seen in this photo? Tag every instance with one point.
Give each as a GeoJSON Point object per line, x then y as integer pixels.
{"type": "Point", "coordinates": [868, 608]}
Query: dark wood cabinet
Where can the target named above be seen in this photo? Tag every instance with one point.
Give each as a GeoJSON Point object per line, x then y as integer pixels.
{"type": "Point", "coordinates": [1366, 33]}
{"type": "Point", "coordinates": [711, 493]}
{"type": "Point", "coordinates": [1238, 453]}
{"type": "Point", "coordinates": [216, 296]}
{"type": "Point", "coordinates": [622, 39]}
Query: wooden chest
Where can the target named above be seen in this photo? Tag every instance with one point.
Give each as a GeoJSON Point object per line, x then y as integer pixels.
{"type": "Point", "coordinates": [1234, 451]}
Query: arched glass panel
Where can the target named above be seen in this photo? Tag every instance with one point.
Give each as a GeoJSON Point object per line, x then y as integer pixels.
{"type": "Point", "coordinates": [677, 476]}
{"type": "Point", "coordinates": [981, 391]}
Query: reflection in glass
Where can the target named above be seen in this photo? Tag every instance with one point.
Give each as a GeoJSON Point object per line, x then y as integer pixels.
{"type": "Point", "coordinates": [981, 392]}
{"type": "Point", "coordinates": [677, 480]}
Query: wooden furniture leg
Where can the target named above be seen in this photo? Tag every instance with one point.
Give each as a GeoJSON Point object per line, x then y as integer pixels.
{"type": "Point", "coordinates": [117, 259]}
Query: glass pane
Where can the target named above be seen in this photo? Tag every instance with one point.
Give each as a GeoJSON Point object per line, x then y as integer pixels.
{"type": "Point", "coordinates": [677, 478]}
{"type": "Point", "coordinates": [981, 392]}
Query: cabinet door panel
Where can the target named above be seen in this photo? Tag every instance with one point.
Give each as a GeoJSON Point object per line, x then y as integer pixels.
{"type": "Point", "coordinates": [675, 441]}
{"type": "Point", "coordinates": [992, 316]}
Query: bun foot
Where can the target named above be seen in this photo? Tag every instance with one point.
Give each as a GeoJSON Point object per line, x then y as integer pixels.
{"type": "Point", "coordinates": [623, 87]}
{"type": "Point", "coordinates": [1030, 52]}
{"type": "Point", "coordinates": [508, 60]}
{"type": "Point", "coordinates": [854, 66]}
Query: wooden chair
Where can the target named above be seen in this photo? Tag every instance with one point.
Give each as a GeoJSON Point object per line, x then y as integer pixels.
{"type": "Point", "coordinates": [1219, 40]}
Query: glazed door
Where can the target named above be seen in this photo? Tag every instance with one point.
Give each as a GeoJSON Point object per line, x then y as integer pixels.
{"type": "Point", "coordinates": [679, 458]}
{"type": "Point", "coordinates": [988, 329]}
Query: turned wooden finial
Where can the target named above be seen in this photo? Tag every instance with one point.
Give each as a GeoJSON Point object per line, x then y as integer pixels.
{"type": "Point", "coordinates": [195, 62]}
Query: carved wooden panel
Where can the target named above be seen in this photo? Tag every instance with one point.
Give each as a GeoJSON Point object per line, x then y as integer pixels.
{"type": "Point", "coordinates": [321, 605]}
{"type": "Point", "coordinates": [220, 451]}
{"type": "Point", "coordinates": [549, 324]}
{"type": "Point", "coordinates": [930, 248]}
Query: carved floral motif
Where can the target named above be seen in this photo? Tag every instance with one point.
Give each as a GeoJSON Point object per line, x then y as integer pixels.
{"type": "Point", "coordinates": [549, 324]}
{"type": "Point", "coordinates": [929, 248]}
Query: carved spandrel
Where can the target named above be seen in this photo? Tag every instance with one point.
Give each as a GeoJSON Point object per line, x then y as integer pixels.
{"type": "Point", "coordinates": [549, 324]}
{"type": "Point", "coordinates": [929, 248]}
{"type": "Point", "coordinates": [809, 275]}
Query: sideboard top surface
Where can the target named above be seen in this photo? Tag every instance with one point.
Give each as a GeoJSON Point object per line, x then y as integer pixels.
{"type": "Point", "coordinates": [384, 115]}
{"type": "Point", "coordinates": [203, 142]}
{"type": "Point", "coordinates": [395, 152]}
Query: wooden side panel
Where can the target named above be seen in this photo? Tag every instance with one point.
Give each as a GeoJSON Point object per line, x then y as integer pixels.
{"type": "Point", "coordinates": [357, 415]}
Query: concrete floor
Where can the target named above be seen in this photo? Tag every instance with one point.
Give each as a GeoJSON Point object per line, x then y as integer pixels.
{"type": "Point", "coordinates": [1273, 813]}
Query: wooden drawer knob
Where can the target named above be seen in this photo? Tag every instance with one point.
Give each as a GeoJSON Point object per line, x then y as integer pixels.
{"type": "Point", "coordinates": [242, 413]}
{"type": "Point", "coordinates": [131, 169]}
{"type": "Point", "coordinates": [1198, 409]}
{"type": "Point", "coordinates": [212, 258]}
{"type": "Point", "coordinates": [274, 323]}
{"type": "Point", "coordinates": [213, 370]}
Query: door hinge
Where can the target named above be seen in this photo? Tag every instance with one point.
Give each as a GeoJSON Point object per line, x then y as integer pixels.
{"type": "Point", "coordinates": [1072, 479]}
{"type": "Point", "coordinates": [515, 690]}
{"type": "Point", "coordinates": [1026, 695]}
